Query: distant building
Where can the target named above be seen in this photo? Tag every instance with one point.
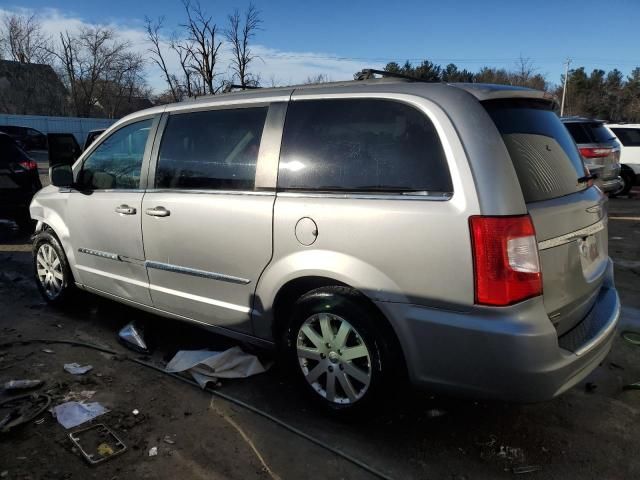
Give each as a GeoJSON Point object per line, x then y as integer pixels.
{"type": "Point", "coordinates": [31, 89]}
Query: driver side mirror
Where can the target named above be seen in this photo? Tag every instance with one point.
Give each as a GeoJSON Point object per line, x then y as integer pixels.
{"type": "Point", "coordinates": [61, 175]}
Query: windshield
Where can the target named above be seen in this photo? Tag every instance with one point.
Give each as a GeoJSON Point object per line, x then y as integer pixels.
{"type": "Point", "coordinates": [544, 155]}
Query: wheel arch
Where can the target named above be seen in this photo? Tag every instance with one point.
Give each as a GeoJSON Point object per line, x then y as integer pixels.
{"type": "Point", "coordinates": [299, 286]}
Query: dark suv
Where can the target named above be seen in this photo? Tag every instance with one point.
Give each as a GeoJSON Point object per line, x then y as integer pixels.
{"type": "Point", "coordinates": [599, 148]}
{"type": "Point", "coordinates": [26, 137]}
{"type": "Point", "coordinates": [19, 181]}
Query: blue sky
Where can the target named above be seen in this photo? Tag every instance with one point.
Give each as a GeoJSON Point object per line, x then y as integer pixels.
{"type": "Point", "coordinates": [350, 34]}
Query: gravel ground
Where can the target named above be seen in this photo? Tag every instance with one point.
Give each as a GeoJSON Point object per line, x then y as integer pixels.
{"type": "Point", "coordinates": [586, 433]}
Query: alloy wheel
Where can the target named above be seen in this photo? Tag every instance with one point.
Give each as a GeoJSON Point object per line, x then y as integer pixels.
{"type": "Point", "coordinates": [49, 271]}
{"type": "Point", "coordinates": [334, 358]}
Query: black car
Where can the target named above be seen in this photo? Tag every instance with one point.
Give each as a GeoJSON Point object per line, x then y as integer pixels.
{"type": "Point", "coordinates": [19, 181]}
{"type": "Point", "coordinates": [27, 138]}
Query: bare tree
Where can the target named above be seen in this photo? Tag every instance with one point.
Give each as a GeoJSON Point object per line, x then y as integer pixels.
{"type": "Point", "coordinates": [24, 40]}
{"type": "Point", "coordinates": [319, 78]}
{"type": "Point", "coordinates": [157, 56]}
{"type": "Point", "coordinates": [202, 46]}
{"type": "Point", "coordinates": [240, 31]}
{"type": "Point", "coordinates": [96, 65]}
{"type": "Point", "coordinates": [524, 71]}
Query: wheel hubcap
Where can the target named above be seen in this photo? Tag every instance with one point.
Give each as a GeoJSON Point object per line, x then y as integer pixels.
{"type": "Point", "coordinates": [334, 358]}
{"type": "Point", "coordinates": [49, 270]}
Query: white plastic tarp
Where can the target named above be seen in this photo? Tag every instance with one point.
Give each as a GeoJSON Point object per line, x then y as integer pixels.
{"type": "Point", "coordinates": [207, 366]}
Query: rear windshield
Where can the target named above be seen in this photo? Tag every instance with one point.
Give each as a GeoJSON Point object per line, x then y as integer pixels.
{"type": "Point", "coordinates": [544, 155]}
{"type": "Point", "coordinates": [588, 132]}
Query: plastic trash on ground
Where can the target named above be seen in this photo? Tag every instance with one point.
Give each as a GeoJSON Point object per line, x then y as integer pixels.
{"type": "Point", "coordinates": [72, 414]}
{"type": "Point", "coordinates": [206, 366]}
{"type": "Point", "coordinates": [77, 369]}
{"type": "Point", "coordinates": [133, 337]}
{"type": "Point", "coordinates": [22, 384]}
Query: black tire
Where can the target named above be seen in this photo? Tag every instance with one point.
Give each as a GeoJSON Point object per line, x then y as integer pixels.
{"type": "Point", "coordinates": [627, 183]}
{"type": "Point", "coordinates": [383, 361]}
{"type": "Point", "coordinates": [61, 298]}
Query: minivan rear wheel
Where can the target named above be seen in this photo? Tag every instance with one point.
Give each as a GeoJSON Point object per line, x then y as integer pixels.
{"type": "Point", "coordinates": [51, 269]}
{"type": "Point", "coordinates": [338, 350]}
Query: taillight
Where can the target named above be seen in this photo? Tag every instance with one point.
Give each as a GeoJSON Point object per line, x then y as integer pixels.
{"type": "Point", "coordinates": [29, 165]}
{"type": "Point", "coordinates": [588, 152]}
{"type": "Point", "coordinates": [505, 259]}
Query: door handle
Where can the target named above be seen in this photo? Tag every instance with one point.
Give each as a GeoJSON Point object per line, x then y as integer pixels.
{"type": "Point", "coordinates": [126, 210]}
{"type": "Point", "coordinates": [157, 212]}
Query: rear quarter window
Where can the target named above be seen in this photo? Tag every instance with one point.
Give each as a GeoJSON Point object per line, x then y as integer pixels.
{"type": "Point", "coordinates": [543, 153]}
{"type": "Point", "coordinates": [630, 137]}
{"type": "Point", "coordinates": [361, 145]}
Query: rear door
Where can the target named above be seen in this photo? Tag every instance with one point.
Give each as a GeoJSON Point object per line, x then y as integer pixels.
{"type": "Point", "coordinates": [207, 225]}
{"type": "Point", "coordinates": [630, 139]}
{"type": "Point", "coordinates": [569, 216]}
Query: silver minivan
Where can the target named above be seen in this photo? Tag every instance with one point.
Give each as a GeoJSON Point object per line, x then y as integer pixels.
{"type": "Point", "coordinates": [374, 231]}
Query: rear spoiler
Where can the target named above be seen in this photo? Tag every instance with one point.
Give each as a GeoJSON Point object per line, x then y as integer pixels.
{"type": "Point", "coordinates": [487, 91]}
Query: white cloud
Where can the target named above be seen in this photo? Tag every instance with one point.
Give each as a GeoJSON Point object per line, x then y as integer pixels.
{"type": "Point", "coordinates": [283, 67]}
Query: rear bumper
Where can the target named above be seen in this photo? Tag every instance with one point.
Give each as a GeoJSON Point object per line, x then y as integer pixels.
{"type": "Point", "coordinates": [512, 353]}
{"type": "Point", "coordinates": [610, 185]}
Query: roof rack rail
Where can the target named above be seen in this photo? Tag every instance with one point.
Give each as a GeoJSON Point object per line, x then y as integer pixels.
{"type": "Point", "coordinates": [368, 74]}
{"type": "Point", "coordinates": [232, 86]}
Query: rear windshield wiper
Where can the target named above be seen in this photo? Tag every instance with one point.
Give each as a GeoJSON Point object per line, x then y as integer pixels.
{"type": "Point", "coordinates": [586, 178]}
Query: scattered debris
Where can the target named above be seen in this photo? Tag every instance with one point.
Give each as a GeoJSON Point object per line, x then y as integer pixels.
{"type": "Point", "coordinates": [47, 350]}
{"type": "Point", "coordinates": [206, 366]}
{"type": "Point", "coordinates": [97, 443]}
{"type": "Point", "coordinates": [40, 421]}
{"type": "Point", "coordinates": [20, 410]}
{"type": "Point", "coordinates": [153, 451]}
{"type": "Point", "coordinates": [169, 440]}
{"type": "Point", "coordinates": [22, 384]}
{"type": "Point", "coordinates": [78, 396]}
{"type": "Point", "coordinates": [632, 386]}
{"type": "Point", "coordinates": [77, 369]}
{"type": "Point", "coordinates": [616, 366]}
{"type": "Point", "coordinates": [132, 336]}
{"type": "Point", "coordinates": [135, 411]}
{"type": "Point", "coordinates": [510, 453]}
{"type": "Point", "coordinates": [72, 414]}
{"type": "Point", "coordinates": [526, 469]}
{"type": "Point", "coordinates": [435, 413]}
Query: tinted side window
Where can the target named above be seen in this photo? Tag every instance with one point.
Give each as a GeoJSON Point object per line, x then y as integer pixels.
{"type": "Point", "coordinates": [366, 145]}
{"type": "Point", "coordinates": [215, 149]}
{"type": "Point", "coordinates": [117, 161]}
{"type": "Point", "coordinates": [630, 137]}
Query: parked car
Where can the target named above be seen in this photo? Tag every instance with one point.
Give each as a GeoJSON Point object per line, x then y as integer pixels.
{"type": "Point", "coordinates": [91, 136]}
{"type": "Point", "coordinates": [27, 138]}
{"type": "Point", "coordinates": [373, 230]}
{"type": "Point", "coordinates": [19, 180]}
{"type": "Point", "coordinates": [599, 148]}
{"type": "Point", "coordinates": [628, 134]}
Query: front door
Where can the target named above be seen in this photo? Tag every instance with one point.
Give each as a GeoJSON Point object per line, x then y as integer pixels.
{"type": "Point", "coordinates": [104, 212]}
{"type": "Point", "coordinates": [207, 230]}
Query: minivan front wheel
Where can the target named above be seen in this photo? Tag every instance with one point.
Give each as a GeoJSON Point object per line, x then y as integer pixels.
{"type": "Point", "coordinates": [52, 273]}
{"type": "Point", "coordinates": [338, 349]}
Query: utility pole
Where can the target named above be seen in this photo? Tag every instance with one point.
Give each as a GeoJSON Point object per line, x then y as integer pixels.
{"type": "Point", "coordinates": [564, 88]}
